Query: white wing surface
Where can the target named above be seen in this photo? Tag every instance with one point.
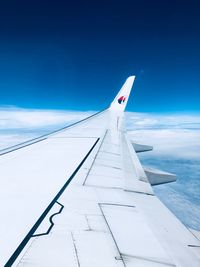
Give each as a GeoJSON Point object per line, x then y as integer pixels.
{"type": "Point", "coordinates": [80, 197]}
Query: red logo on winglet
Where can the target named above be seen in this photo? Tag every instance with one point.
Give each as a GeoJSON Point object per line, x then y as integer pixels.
{"type": "Point", "coordinates": [121, 99]}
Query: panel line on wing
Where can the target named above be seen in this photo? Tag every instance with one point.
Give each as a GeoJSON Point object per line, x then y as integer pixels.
{"type": "Point", "coordinates": [145, 247]}
{"type": "Point", "coordinates": [51, 221]}
{"type": "Point", "coordinates": [115, 242]}
{"type": "Point", "coordinates": [26, 239]}
{"type": "Point", "coordinates": [102, 139]}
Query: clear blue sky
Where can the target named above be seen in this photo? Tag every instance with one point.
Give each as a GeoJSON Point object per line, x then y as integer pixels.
{"type": "Point", "coordinates": [76, 54]}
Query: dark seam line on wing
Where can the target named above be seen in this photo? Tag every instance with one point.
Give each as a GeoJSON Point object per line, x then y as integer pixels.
{"type": "Point", "coordinates": [51, 221]}
{"type": "Point", "coordinates": [75, 248]}
{"type": "Point", "coordinates": [138, 192]}
{"type": "Point", "coordinates": [111, 176]}
{"type": "Point", "coordinates": [116, 205]}
{"type": "Point", "coordinates": [104, 187]}
{"type": "Point", "coordinates": [41, 218]}
{"type": "Point", "coordinates": [74, 137]}
{"type": "Point", "coordinates": [141, 151]}
{"type": "Point", "coordinates": [108, 152]}
{"type": "Point", "coordinates": [95, 157]}
{"type": "Point", "coordinates": [3, 153]}
{"type": "Point", "coordinates": [148, 259]}
{"type": "Point", "coordinates": [108, 166]}
{"type": "Point", "coordinates": [43, 137]}
{"type": "Point", "coordinates": [121, 258]}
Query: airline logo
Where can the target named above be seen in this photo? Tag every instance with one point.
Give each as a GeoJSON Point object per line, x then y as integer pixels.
{"type": "Point", "coordinates": [121, 100]}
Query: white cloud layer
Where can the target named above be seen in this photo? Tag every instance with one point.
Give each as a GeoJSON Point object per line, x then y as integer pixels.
{"type": "Point", "coordinates": [174, 135]}
{"type": "Point", "coordinates": [18, 125]}
{"type": "Point", "coordinates": [150, 120]}
{"type": "Point", "coordinates": [29, 118]}
{"type": "Point", "coordinates": [174, 142]}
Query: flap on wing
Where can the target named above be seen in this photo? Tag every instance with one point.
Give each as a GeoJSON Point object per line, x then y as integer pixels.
{"type": "Point", "coordinates": [157, 177]}
{"type": "Point", "coordinates": [137, 244]}
{"type": "Point", "coordinates": [141, 148]}
{"type": "Point", "coordinates": [135, 177]}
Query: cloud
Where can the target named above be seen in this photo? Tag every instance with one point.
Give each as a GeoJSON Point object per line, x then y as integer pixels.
{"type": "Point", "coordinates": [162, 121]}
{"type": "Point", "coordinates": [174, 143]}
{"type": "Point", "coordinates": [175, 135]}
{"type": "Point", "coordinates": [18, 124]}
{"type": "Point", "coordinates": [30, 118]}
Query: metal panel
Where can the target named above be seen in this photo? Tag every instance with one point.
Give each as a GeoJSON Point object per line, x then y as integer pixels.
{"type": "Point", "coordinates": [37, 174]}
{"type": "Point", "coordinates": [133, 236]}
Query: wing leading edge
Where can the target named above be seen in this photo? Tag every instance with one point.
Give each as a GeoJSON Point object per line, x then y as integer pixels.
{"type": "Point", "coordinates": [80, 197]}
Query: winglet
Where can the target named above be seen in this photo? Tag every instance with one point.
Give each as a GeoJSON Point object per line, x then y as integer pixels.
{"type": "Point", "coordinates": [120, 101]}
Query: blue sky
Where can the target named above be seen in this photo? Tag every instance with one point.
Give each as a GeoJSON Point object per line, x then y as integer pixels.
{"type": "Point", "coordinates": [75, 54]}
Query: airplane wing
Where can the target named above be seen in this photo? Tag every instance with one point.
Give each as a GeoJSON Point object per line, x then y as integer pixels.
{"type": "Point", "coordinates": [79, 197]}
